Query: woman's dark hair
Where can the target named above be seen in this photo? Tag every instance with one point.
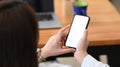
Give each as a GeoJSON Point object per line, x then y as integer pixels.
{"type": "Point", "coordinates": [18, 35]}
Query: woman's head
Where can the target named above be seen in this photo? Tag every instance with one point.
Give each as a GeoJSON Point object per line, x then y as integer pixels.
{"type": "Point", "coordinates": [18, 35]}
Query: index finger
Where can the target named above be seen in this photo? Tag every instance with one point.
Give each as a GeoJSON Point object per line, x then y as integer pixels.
{"type": "Point", "coordinates": [63, 29]}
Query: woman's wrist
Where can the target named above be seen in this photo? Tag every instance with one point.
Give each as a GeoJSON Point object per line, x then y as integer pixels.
{"type": "Point", "coordinates": [82, 56]}
{"type": "Point", "coordinates": [44, 53]}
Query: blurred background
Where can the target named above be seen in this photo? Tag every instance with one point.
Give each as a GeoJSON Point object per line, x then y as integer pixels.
{"type": "Point", "coordinates": [107, 54]}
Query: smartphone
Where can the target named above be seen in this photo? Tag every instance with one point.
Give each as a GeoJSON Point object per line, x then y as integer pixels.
{"type": "Point", "coordinates": [77, 28]}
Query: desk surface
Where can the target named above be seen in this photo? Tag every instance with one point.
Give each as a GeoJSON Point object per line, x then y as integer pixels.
{"type": "Point", "coordinates": [104, 28]}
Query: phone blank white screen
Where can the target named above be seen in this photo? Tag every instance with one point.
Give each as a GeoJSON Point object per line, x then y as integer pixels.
{"type": "Point", "coordinates": [76, 31]}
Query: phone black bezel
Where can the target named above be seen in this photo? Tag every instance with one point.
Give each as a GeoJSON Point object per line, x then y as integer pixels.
{"type": "Point", "coordinates": [71, 26]}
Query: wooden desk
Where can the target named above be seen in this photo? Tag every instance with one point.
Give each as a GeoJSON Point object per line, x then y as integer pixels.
{"type": "Point", "coordinates": [104, 28]}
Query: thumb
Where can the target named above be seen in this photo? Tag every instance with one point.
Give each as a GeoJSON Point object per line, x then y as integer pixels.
{"type": "Point", "coordinates": [67, 50]}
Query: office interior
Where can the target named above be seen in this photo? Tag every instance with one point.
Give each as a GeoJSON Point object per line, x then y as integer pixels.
{"type": "Point", "coordinates": [103, 35]}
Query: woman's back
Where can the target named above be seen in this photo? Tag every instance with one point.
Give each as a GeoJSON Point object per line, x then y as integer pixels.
{"type": "Point", "coordinates": [18, 35]}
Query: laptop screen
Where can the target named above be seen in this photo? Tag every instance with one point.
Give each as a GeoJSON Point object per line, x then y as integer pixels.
{"type": "Point", "coordinates": [42, 5]}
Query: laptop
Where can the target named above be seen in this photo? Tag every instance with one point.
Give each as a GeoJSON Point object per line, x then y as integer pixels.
{"type": "Point", "coordinates": [45, 12]}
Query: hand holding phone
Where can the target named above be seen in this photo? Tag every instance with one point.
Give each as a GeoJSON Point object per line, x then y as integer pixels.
{"type": "Point", "coordinates": [78, 26]}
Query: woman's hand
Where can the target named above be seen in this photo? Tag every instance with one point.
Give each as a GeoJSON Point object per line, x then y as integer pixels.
{"type": "Point", "coordinates": [81, 50]}
{"type": "Point", "coordinates": [55, 45]}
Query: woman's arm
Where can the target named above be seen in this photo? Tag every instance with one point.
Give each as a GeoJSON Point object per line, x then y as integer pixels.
{"type": "Point", "coordinates": [89, 61]}
{"type": "Point", "coordinates": [83, 57]}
